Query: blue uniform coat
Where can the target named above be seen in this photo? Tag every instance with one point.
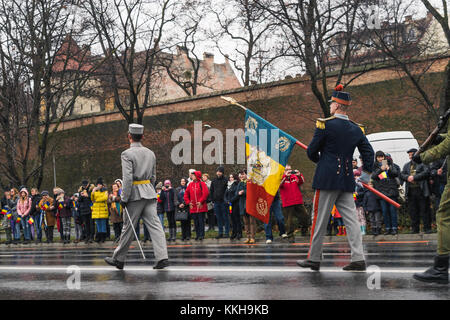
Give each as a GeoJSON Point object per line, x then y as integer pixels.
{"type": "Point", "coordinates": [332, 148]}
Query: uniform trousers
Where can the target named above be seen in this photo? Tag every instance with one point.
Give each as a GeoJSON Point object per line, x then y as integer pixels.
{"type": "Point", "coordinates": [145, 209]}
{"type": "Point", "coordinates": [322, 206]}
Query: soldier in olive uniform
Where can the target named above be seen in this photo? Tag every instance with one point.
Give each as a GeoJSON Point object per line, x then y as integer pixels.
{"type": "Point", "coordinates": [439, 271]}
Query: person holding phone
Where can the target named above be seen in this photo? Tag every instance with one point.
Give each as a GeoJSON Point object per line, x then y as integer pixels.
{"type": "Point", "coordinates": [384, 180]}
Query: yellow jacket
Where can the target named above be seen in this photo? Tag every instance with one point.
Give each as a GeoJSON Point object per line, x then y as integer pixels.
{"type": "Point", "coordinates": [100, 205]}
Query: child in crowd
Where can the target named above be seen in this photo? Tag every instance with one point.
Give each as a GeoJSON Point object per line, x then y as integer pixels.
{"type": "Point", "coordinates": [75, 209]}
{"type": "Point", "coordinates": [358, 195]}
{"type": "Point", "coordinates": [336, 222]}
{"type": "Point", "coordinates": [372, 207]}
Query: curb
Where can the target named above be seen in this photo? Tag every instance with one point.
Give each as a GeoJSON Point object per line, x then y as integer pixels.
{"type": "Point", "coordinates": [178, 242]}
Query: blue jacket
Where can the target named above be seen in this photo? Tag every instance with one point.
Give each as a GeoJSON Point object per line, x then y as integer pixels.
{"type": "Point", "coordinates": [332, 148]}
{"type": "Point", "coordinates": [371, 202]}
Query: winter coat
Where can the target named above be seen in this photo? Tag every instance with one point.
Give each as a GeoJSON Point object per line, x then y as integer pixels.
{"type": "Point", "coordinates": [24, 206]}
{"type": "Point", "coordinates": [65, 211]}
{"type": "Point", "coordinates": [13, 208]}
{"type": "Point", "coordinates": [75, 210]}
{"type": "Point", "coordinates": [35, 203]}
{"type": "Point", "coordinates": [290, 190]}
{"type": "Point", "coordinates": [167, 198]}
{"type": "Point", "coordinates": [242, 185]}
{"type": "Point", "coordinates": [197, 191]}
{"type": "Point", "coordinates": [49, 213]}
{"type": "Point", "coordinates": [179, 199]}
{"type": "Point", "coordinates": [371, 202]}
{"type": "Point", "coordinates": [359, 195]}
{"type": "Point", "coordinates": [100, 204]}
{"type": "Point", "coordinates": [218, 188]}
{"type": "Point", "coordinates": [7, 204]}
{"type": "Point", "coordinates": [420, 178]}
{"type": "Point", "coordinates": [85, 205]}
{"type": "Point", "coordinates": [159, 205]}
{"type": "Point", "coordinates": [387, 186]}
{"type": "Point", "coordinates": [230, 194]}
{"type": "Point", "coordinates": [115, 209]}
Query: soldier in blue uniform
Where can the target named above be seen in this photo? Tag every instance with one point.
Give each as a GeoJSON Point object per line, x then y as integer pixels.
{"type": "Point", "coordinates": [332, 148]}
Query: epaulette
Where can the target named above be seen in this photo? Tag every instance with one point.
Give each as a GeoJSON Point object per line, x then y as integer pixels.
{"type": "Point", "coordinates": [360, 126]}
{"type": "Point", "coordinates": [320, 123]}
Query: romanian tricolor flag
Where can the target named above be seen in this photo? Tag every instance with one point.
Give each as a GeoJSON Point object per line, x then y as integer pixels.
{"type": "Point", "coordinates": [18, 219]}
{"type": "Point", "coordinates": [267, 150]}
{"type": "Point", "coordinates": [9, 215]}
{"type": "Point", "coordinates": [382, 175]}
{"type": "Point", "coordinates": [45, 206]}
{"type": "Point", "coordinates": [4, 211]}
{"type": "Point", "coordinates": [230, 208]}
{"type": "Point", "coordinates": [60, 205]}
{"type": "Point", "coordinates": [30, 221]}
{"type": "Point", "coordinates": [354, 196]}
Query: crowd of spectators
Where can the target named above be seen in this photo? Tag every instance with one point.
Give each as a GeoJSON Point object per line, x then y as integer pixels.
{"type": "Point", "coordinates": [221, 202]}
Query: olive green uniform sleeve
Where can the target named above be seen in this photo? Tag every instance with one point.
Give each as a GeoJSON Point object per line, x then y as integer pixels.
{"type": "Point", "coordinates": [438, 152]}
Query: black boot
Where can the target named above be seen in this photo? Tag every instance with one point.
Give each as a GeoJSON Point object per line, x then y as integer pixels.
{"type": "Point", "coordinates": [309, 264]}
{"type": "Point", "coordinates": [437, 273]}
{"type": "Point", "coordinates": [355, 266]}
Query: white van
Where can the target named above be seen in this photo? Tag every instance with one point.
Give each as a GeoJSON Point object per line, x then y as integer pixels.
{"type": "Point", "coordinates": [396, 143]}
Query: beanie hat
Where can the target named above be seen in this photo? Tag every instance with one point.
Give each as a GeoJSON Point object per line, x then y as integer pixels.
{"type": "Point", "coordinates": [379, 153]}
{"type": "Point", "coordinates": [220, 169]}
{"type": "Point", "coordinates": [340, 96]}
{"type": "Point", "coordinates": [99, 181]}
{"type": "Point", "coordinates": [167, 182]}
{"type": "Point", "coordinates": [356, 173]}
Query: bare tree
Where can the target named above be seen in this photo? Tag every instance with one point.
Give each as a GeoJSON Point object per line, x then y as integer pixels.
{"type": "Point", "coordinates": [250, 27]}
{"type": "Point", "coordinates": [131, 34]}
{"type": "Point", "coordinates": [444, 23]}
{"type": "Point", "coordinates": [184, 68]}
{"type": "Point", "coordinates": [309, 28]}
{"type": "Point", "coordinates": [36, 95]}
{"type": "Point", "coordinates": [405, 44]}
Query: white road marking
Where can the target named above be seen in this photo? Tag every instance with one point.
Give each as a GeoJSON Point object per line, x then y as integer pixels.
{"type": "Point", "coordinates": [198, 269]}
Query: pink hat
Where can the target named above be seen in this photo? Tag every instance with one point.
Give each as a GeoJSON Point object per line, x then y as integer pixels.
{"type": "Point", "coordinates": [167, 182]}
{"type": "Point", "coordinates": [356, 173]}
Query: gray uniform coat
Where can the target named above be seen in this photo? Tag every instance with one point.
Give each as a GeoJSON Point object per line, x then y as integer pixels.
{"type": "Point", "coordinates": [138, 163]}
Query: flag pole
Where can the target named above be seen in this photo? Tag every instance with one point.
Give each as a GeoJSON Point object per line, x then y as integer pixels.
{"type": "Point", "coordinates": [304, 146]}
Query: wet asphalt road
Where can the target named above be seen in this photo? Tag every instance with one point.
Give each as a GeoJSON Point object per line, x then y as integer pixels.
{"type": "Point", "coordinates": [220, 272]}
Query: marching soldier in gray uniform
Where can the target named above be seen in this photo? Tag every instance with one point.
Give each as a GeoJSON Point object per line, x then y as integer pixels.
{"type": "Point", "coordinates": [139, 198]}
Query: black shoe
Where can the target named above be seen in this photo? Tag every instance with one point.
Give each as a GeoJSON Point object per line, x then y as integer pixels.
{"type": "Point", "coordinates": [428, 231]}
{"type": "Point", "coordinates": [437, 273]}
{"type": "Point", "coordinates": [161, 264]}
{"type": "Point", "coordinates": [115, 263]}
{"type": "Point", "coordinates": [355, 266]}
{"type": "Point", "coordinates": [220, 236]}
{"type": "Point", "coordinates": [309, 264]}
{"type": "Point", "coordinates": [188, 239]}
{"type": "Point", "coordinates": [394, 232]}
{"type": "Point", "coordinates": [388, 231]}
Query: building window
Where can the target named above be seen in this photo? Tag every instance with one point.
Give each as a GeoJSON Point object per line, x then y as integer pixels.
{"type": "Point", "coordinates": [412, 35]}
{"type": "Point", "coordinates": [388, 40]}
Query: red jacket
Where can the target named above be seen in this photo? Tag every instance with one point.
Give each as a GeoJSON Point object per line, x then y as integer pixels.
{"type": "Point", "coordinates": [197, 191]}
{"type": "Point", "coordinates": [290, 190]}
